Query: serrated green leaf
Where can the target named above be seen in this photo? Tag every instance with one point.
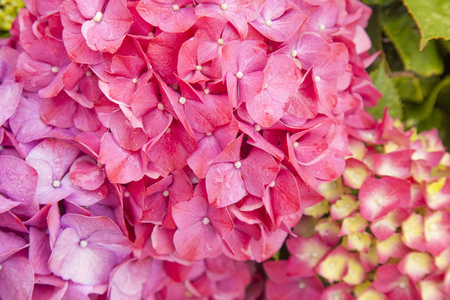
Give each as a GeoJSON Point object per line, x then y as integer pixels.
{"type": "Point", "coordinates": [399, 26]}
{"type": "Point", "coordinates": [390, 97]}
{"type": "Point", "coordinates": [408, 88]}
{"type": "Point", "coordinates": [432, 17]}
{"type": "Point", "coordinates": [415, 113]}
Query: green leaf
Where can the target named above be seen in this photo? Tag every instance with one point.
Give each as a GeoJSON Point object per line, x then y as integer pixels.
{"type": "Point", "coordinates": [400, 28]}
{"type": "Point", "coordinates": [390, 97]}
{"type": "Point", "coordinates": [415, 113]}
{"type": "Point", "coordinates": [408, 88]}
{"type": "Point", "coordinates": [432, 17]}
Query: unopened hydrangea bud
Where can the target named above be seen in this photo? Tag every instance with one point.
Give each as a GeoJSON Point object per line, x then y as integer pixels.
{"type": "Point", "coordinates": [98, 16]}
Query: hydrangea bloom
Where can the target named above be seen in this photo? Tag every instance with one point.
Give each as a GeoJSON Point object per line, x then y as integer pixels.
{"type": "Point", "coordinates": [160, 149]}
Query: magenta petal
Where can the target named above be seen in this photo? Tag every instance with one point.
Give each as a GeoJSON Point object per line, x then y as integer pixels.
{"type": "Point", "coordinates": [9, 101]}
{"type": "Point", "coordinates": [16, 279]}
{"type": "Point", "coordinates": [224, 184]}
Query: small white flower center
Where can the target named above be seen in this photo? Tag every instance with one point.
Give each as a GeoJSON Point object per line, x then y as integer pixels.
{"type": "Point", "coordinates": [336, 297]}
{"type": "Point", "coordinates": [182, 100]}
{"type": "Point", "coordinates": [265, 86]}
{"type": "Point", "coordinates": [295, 144]}
{"type": "Point", "coordinates": [55, 69]}
{"type": "Point", "coordinates": [126, 194]}
{"type": "Point", "coordinates": [239, 75]}
{"type": "Point", "coordinates": [224, 6]}
{"type": "Point", "coordinates": [272, 184]}
{"type": "Point", "coordinates": [83, 243]}
{"type": "Point", "coordinates": [175, 7]}
{"type": "Point", "coordinates": [56, 183]}
{"type": "Point", "coordinates": [168, 130]}
{"type": "Point", "coordinates": [199, 68]}
{"type": "Point", "coordinates": [294, 53]}
{"type": "Point", "coordinates": [160, 106]}
{"type": "Point", "coordinates": [257, 127]}
{"type": "Point", "coordinates": [268, 23]}
{"type": "Point", "coordinates": [134, 80]}
{"type": "Point", "coordinates": [206, 91]}
{"type": "Point", "coordinates": [301, 285]}
{"type": "Point", "coordinates": [88, 73]}
{"type": "Point", "coordinates": [238, 164]}
{"type": "Point", "coordinates": [321, 27]}
{"type": "Point", "coordinates": [165, 193]}
{"type": "Point", "coordinates": [220, 42]}
{"type": "Point", "coordinates": [98, 16]}
{"type": "Point", "coordinates": [205, 221]}
{"type": "Point", "coordinates": [209, 133]}
{"type": "Point", "coordinates": [314, 254]}
{"type": "Point", "coordinates": [379, 201]}
{"type": "Point", "coordinates": [317, 78]}
{"type": "Point", "coordinates": [402, 285]}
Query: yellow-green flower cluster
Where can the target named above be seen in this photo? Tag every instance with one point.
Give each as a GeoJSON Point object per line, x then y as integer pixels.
{"type": "Point", "coordinates": [8, 12]}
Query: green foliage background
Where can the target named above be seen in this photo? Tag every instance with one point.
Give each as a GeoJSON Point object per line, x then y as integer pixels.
{"type": "Point", "coordinates": [412, 69]}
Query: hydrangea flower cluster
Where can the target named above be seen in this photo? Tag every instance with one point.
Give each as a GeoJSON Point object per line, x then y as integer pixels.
{"type": "Point", "coordinates": [383, 229]}
{"type": "Point", "coordinates": [159, 149]}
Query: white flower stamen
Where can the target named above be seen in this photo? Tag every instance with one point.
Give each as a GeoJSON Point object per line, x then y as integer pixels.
{"type": "Point", "coordinates": [160, 106]}
{"type": "Point", "coordinates": [317, 78]}
{"type": "Point", "coordinates": [257, 127]}
{"type": "Point", "coordinates": [175, 7]}
{"type": "Point", "coordinates": [268, 23]}
{"type": "Point", "coordinates": [209, 133]}
{"type": "Point", "coordinates": [272, 184]}
{"type": "Point", "coordinates": [220, 42]}
{"type": "Point", "coordinates": [295, 144]}
{"type": "Point", "coordinates": [239, 74]}
{"type": "Point", "coordinates": [134, 80]}
{"type": "Point", "coordinates": [224, 6]}
{"type": "Point", "coordinates": [206, 91]}
{"type": "Point", "coordinates": [83, 243]}
{"type": "Point", "coordinates": [126, 194]}
{"type": "Point", "coordinates": [55, 69]}
{"type": "Point", "coordinates": [182, 100]}
{"type": "Point", "coordinates": [88, 73]}
{"type": "Point", "coordinates": [98, 16]}
{"type": "Point", "coordinates": [198, 68]}
{"type": "Point", "coordinates": [294, 53]}
{"type": "Point", "coordinates": [165, 193]}
{"type": "Point", "coordinates": [321, 27]}
{"type": "Point", "coordinates": [56, 184]}
{"type": "Point", "coordinates": [205, 221]}
{"type": "Point", "coordinates": [301, 285]}
{"type": "Point", "coordinates": [238, 164]}
{"type": "Point", "coordinates": [168, 130]}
